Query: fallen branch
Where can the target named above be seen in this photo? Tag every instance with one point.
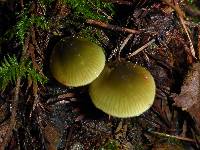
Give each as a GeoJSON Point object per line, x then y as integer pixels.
{"type": "Point", "coordinates": [111, 27]}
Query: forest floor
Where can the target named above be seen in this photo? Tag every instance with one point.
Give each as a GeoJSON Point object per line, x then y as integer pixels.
{"type": "Point", "coordinates": [36, 112]}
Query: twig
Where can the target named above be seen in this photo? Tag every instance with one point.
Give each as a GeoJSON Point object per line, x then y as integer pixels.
{"type": "Point", "coordinates": [37, 48]}
{"type": "Point", "coordinates": [124, 44]}
{"type": "Point", "coordinates": [69, 136]}
{"type": "Point", "coordinates": [122, 2]}
{"type": "Point", "coordinates": [36, 106]}
{"type": "Point", "coordinates": [188, 35]}
{"type": "Point", "coordinates": [16, 98]}
{"type": "Point", "coordinates": [181, 16]}
{"type": "Point", "coordinates": [173, 136]}
{"type": "Point", "coordinates": [111, 27]}
{"type": "Point", "coordinates": [141, 48]}
{"type": "Point", "coordinates": [121, 47]}
{"type": "Point", "coordinates": [13, 115]}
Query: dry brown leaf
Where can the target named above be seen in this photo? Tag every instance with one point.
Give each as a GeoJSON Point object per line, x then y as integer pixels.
{"type": "Point", "coordinates": [52, 135]}
{"type": "Point", "coordinates": [189, 98]}
{"type": "Point", "coordinates": [4, 127]}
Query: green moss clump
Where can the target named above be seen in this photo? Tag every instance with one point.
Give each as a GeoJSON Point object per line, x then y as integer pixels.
{"type": "Point", "coordinates": [93, 9]}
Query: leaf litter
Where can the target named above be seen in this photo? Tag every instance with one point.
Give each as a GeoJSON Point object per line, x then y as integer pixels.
{"type": "Point", "coordinates": [189, 98]}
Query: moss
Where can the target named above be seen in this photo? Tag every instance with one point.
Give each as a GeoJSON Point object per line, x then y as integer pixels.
{"type": "Point", "coordinates": [46, 2]}
{"type": "Point", "coordinates": [26, 22]}
{"type": "Point", "coordinates": [91, 33]}
{"type": "Point", "coordinates": [10, 70]}
{"type": "Point", "coordinates": [110, 145]}
{"type": "Point", "coordinates": [93, 9]}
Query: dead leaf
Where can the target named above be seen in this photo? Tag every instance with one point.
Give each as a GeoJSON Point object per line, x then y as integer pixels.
{"type": "Point", "coordinates": [189, 98]}
{"type": "Point", "coordinates": [4, 127]}
{"type": "Point", "coordinates": [52, 135]}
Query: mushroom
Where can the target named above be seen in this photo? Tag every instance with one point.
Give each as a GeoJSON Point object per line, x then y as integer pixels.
{"type": "Point", "coordinates": [76, 61]}
{"type": "Point", "coordinates": [125, 90]}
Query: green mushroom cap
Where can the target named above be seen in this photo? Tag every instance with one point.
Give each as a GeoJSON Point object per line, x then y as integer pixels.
{"type": "Point", "coordinates": [126, 90]}
{"type": "Point", "coordinates": [76, 62]}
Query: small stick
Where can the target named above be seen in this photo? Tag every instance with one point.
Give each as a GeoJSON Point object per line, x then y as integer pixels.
{"type": "Point", "coordinates": [69, 136]}
{"type": "Point", "coordinates": [67, 95]}
{"type": "Point", "coordinates": [141, 48]}
{"type": "Point", "coordinates": [121, 2]}
{"type": "Point", "coordinates": [111, 27]}
{"type": "Point", "coordinates": [121, 47]}
{"type": "Point", "coordinates": [188, 35]}
{"type": "Point", "coordinates": [181, 16]}
{"type": "Point", "coordinates": [124, 44]}
{"type": "Point", "coordinates": [13, 115]}
{"type": "Point", "coordinates": [173, 136]}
